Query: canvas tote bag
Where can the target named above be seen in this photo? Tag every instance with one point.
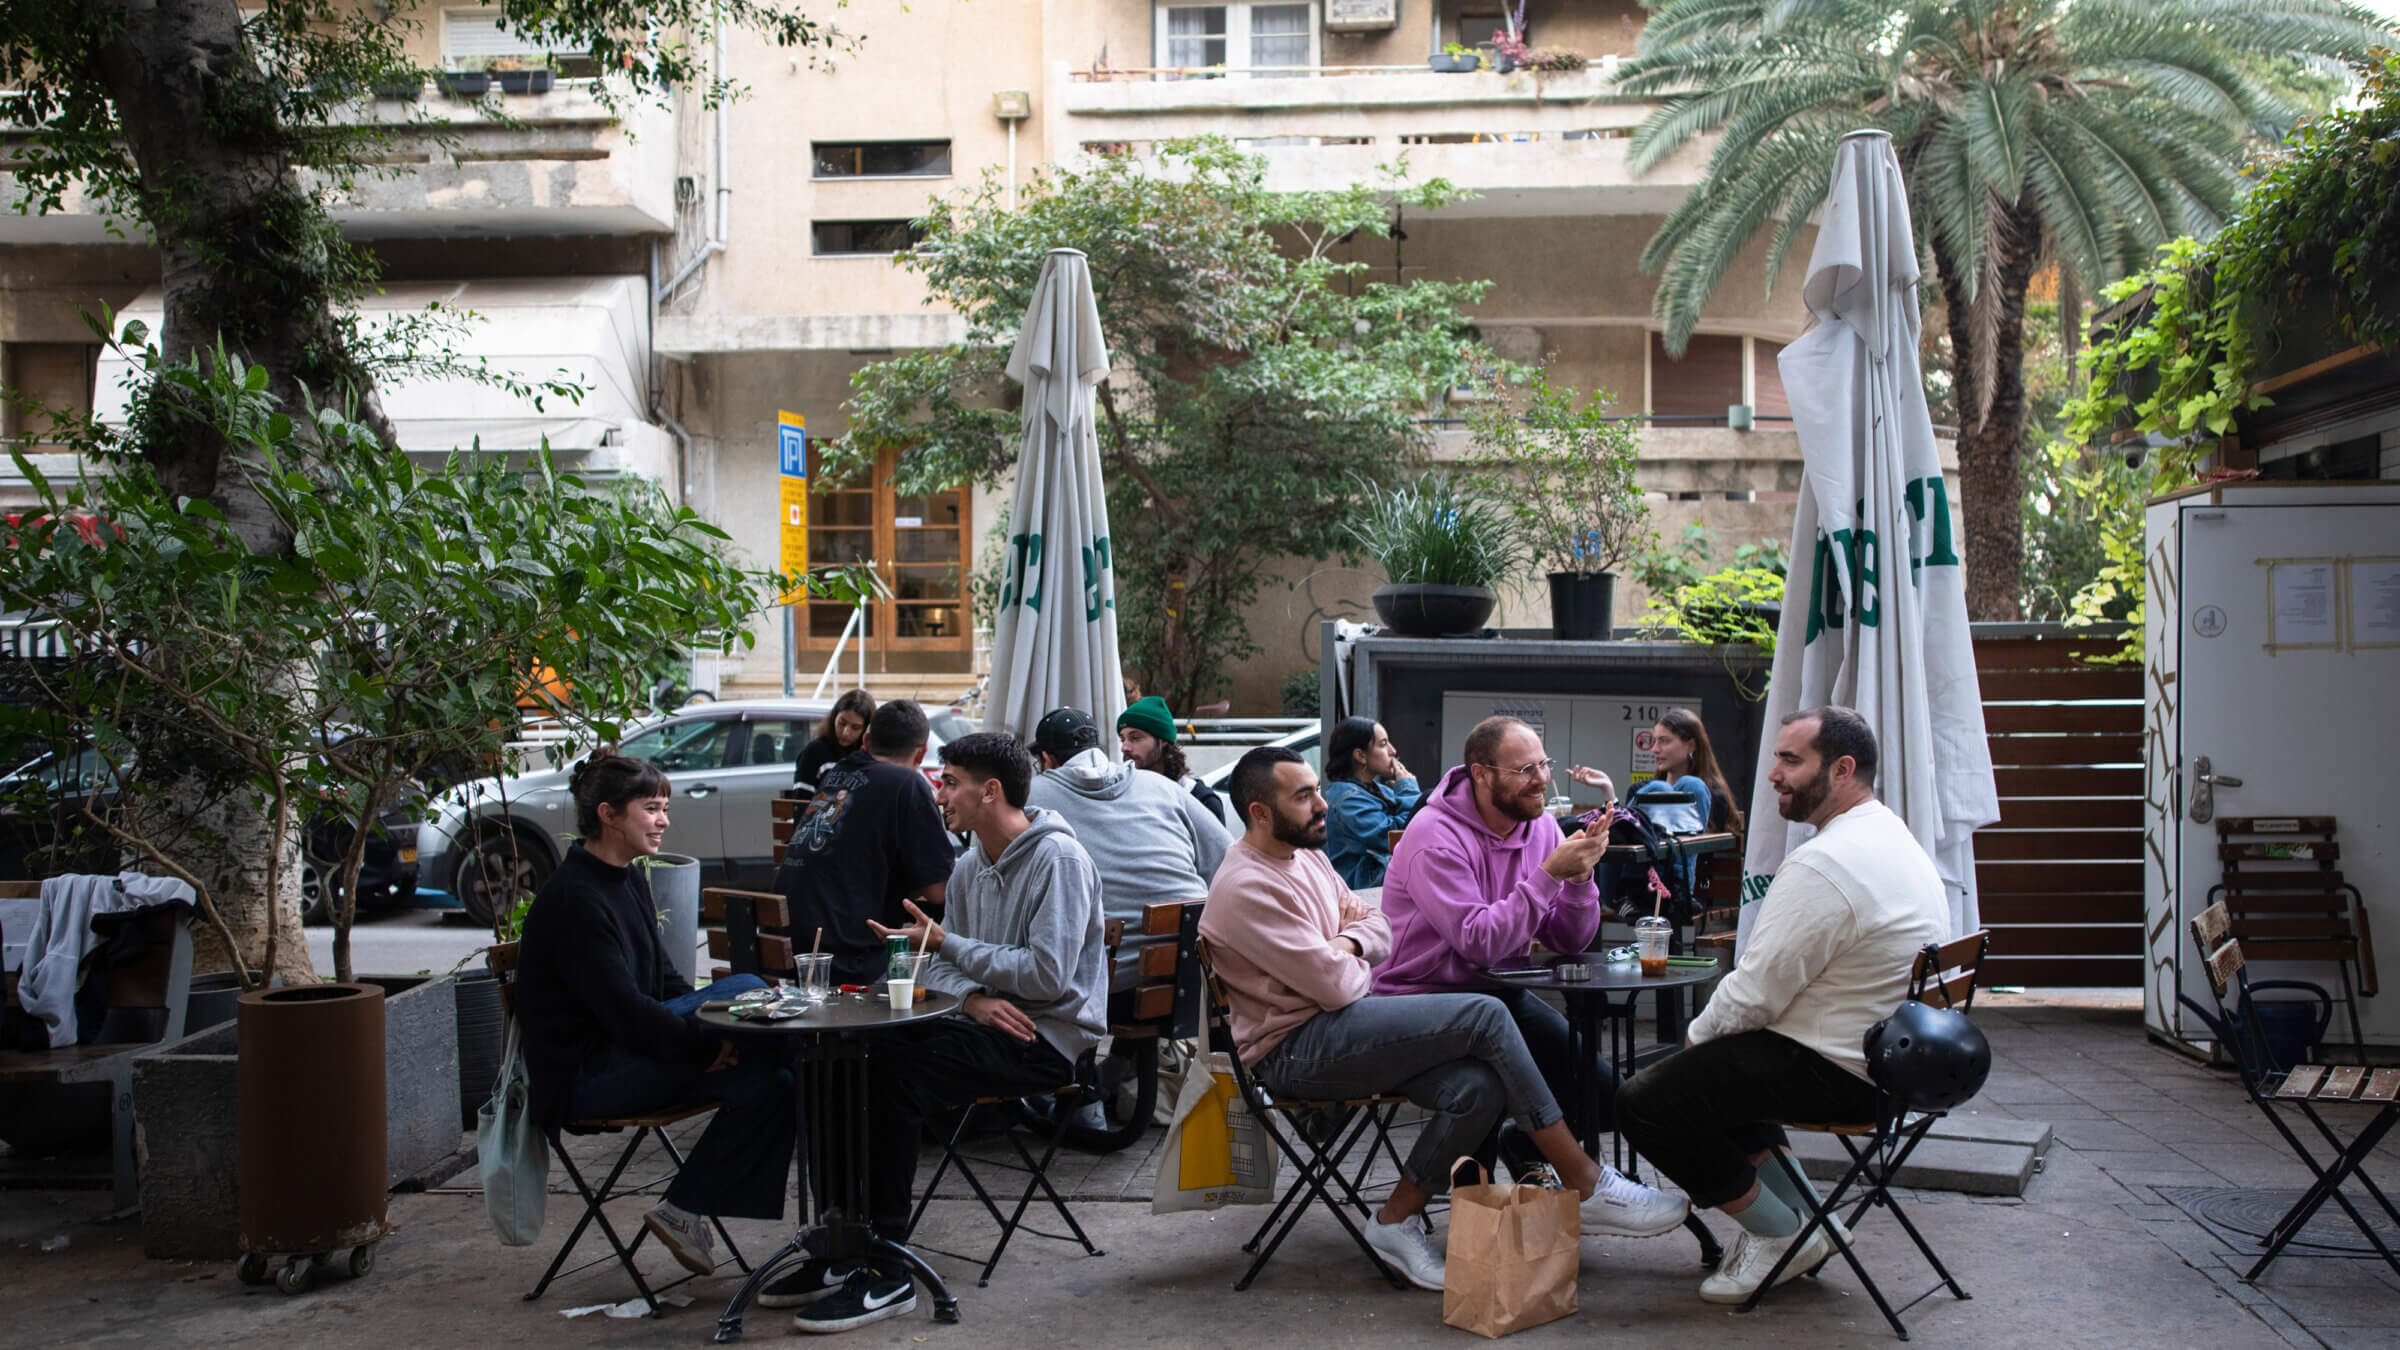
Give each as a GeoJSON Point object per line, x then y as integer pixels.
{"type": "Point", "coordinates": [1514, 1253]}
{"type": "Point", "coordinates": [1216, 1152]}
{"type": "Point", "coordinates": [511, 1155]}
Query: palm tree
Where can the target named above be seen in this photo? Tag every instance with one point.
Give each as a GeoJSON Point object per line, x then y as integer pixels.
{"type": "Point", "coordinates": [2082, 132]}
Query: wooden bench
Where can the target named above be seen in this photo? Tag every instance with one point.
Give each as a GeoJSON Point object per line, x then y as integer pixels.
{"type": "Point", "coordinates": [146, 1002]}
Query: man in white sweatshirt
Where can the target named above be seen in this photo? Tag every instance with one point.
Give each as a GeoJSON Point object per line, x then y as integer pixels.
{"type": "Point", "coordinates": [1782, 1037]}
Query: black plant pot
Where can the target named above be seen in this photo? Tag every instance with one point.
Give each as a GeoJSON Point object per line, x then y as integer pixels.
{"type": "Point", "coordinates": [482, 1032]}
{"type": "Point", "coordinates": [1583, 605]}
{"type": "Point", "coordinates": [1434, 611]}
{"type": "Point", "coordinates": [466, 84]}
{"type": "Point", "coordinates": [211, 1000]}
{"type": "Point", "coordinates": [525, 82]}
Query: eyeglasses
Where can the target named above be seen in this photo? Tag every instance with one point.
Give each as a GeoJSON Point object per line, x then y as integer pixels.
{"type": "Point", "coordinates": [1536, 771]}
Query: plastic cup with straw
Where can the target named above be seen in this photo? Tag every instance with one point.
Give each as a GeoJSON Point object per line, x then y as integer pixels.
{"type": "Point", "coordinates": [816, 971]}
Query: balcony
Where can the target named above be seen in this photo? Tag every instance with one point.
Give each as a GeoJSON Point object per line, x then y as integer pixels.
{"type": "Point", "coordinates": [563, 164]}
{"type": "Point", "coordinates": [1527, 143]}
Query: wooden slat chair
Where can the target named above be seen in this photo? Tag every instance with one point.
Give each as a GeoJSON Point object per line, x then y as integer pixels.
{"type": "Point", "coordinates": [750, 932]}
{"type": "Point", "coordinates": [2275, 1089]}
{"type": "Point", "coordinates": [787, 812]}
{"type": "Point", "coordinates": [1163, 1004]}
{"type": "Point", "coordinates": [1943, 976]}
{"type": "Point", "coordinates": [648, 1125]}
{"type": "Point", "coordinates": [2286, 898]}
{"type": "Point", "coordinates": [1318, 1153]}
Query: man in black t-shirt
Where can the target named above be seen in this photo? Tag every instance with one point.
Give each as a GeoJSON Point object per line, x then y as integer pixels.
{"type": "Point", "coordinates": [871, 838]}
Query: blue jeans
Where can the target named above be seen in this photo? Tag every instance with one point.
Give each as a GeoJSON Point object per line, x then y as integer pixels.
{"type": "Point", "coordinates": [738, 1168]}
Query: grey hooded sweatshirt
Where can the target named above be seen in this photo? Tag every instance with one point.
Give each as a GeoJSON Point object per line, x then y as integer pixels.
{"type": "Point", "coordinates": [1026, 927]}
{"type": "Point", "coordinates": [1152, 841]}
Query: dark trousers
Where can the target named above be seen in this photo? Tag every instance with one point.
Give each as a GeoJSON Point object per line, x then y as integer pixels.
{"type": "Point", "coordinates": [1547, 1038]}
{"type": "Point", "coordinates": [737, 1169]}
{"type": "Point", "coordinates": [915, 1073]}
{"type": "Point", "coordinates": [1700, 1113]}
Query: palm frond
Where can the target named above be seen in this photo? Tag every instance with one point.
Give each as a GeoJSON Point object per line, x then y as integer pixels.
{"type": "Point", "coordinates": [1790, 173]}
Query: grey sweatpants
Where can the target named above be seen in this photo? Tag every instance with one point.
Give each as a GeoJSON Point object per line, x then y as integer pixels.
{"type": "Point", "coordinates": [1457, 1055]}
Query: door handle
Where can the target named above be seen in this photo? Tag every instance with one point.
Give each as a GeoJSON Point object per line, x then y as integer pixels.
{"type": "Point", "coordinates": [2205, 782]}
{"type": "Point", "coordinates": [699, 789]}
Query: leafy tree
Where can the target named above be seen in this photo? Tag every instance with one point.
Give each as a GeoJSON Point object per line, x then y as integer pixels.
{"type": "Point", "coordinates": [2087, 132]}
{"type": "Point", "coordinates": [187, 123]}
{"type": "Point", "coordinates": [1260, 385]}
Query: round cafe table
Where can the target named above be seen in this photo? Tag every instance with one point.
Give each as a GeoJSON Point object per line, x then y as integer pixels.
{"type": "Point", "coordinates": [831, 1044]}
{"type": "Point", "coordinates": [1591, 1001]}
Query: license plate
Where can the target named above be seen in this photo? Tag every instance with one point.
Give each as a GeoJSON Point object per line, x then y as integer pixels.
{"type": "Point", "coordinates": [408, 855]}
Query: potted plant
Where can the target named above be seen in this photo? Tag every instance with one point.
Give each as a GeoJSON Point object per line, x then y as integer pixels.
{"type": "Point", "coordinates": [1566, 473]}
{"type": "Point", "coordinates": [1443, 547]}
{"type": "Point", "coordinates": [1454, 59]}
{"type": "Point", "coordinates": [1555, 60]}
{"type": "Point", "coordinates": [465, 83]}
{"type": "Point", "coordinates": [518, 75]}
{"type": "Point", "coordinates": [1509, 52]}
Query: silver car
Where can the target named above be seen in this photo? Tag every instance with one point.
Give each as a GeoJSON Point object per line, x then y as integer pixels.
{"type": "Point", "coordinates": [728, 762]}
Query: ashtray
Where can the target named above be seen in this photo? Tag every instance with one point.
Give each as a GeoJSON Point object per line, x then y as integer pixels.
{"type": "Point", "coordinates": [1572, 972]}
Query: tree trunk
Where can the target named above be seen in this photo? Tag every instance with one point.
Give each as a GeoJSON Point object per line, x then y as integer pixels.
{"type": "Point", "coordinates": [1987, 350]}
{"type": "Point", "coordinates": [250, 261]}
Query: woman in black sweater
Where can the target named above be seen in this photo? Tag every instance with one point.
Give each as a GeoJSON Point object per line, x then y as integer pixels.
{"type": "Point", "coordinates": [608, 1028]}
{"type": "Point", "coordinates": [843, 732]}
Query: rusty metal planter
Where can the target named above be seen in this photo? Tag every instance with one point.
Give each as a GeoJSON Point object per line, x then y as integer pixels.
{"type": "Point", "coordinates": [310, 1093]}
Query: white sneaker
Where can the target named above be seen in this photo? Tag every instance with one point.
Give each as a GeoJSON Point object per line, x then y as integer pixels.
{"type": "Point", "coordinates": [687, 1237]}
{"type": "Point", "coordinates": [1623, 1207]}
{"type": "Point", "coordinates": [1407, 1246]}
{"type": "Point", "coordinates": [1752, 1257]}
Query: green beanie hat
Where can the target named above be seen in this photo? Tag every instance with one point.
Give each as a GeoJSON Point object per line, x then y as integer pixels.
{"type": "Point", "coordinates": [1151, 715]}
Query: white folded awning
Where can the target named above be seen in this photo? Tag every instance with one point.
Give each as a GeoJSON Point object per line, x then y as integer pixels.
{"type": "Point", "coordinates": [588, 330]}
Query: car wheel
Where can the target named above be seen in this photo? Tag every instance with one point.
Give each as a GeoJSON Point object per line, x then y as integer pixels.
{"type": "Point", "coordinates": [500, 867]}
{"type": "Point", "coordinates": [318, 886]}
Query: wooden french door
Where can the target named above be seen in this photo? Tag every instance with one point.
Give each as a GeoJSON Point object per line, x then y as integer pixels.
{"type": "Point", "coordinates": [919, 546]}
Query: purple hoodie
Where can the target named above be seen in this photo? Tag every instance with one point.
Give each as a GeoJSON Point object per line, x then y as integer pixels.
{"type": "Point", "coordinates": [1460, 899]}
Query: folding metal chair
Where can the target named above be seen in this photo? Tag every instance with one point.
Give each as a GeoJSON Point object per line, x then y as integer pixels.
{"type": "Point", "coordinates": [1037, 1173]}
{"type": "Point", "coordinates": [1318, 1154]}
{"type": "Point", "coordinates": [2302, 1088]}
{"type": "Point", "coordinates": [503, 960]}
{"type": "Point", "coordinates": [1943, 975]}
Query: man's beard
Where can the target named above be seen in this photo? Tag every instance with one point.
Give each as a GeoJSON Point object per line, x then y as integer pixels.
{"type": "Point", "coordinates": [1309, 833]}
{"type": "Point", "coordinates": [1805, 797]}
{"type": "Point", "coordinates": [1521, 805]}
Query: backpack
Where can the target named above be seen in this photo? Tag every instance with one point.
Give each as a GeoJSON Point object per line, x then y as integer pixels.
{"type": "Point", "coordinates": [1626, 888]}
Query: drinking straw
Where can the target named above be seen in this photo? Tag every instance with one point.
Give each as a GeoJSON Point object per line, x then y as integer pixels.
{"type": "Point", "coordinates": [816, 942]}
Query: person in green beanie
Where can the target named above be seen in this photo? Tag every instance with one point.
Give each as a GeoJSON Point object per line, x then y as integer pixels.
{"type": "Point", "coordinates": [1146, 734]}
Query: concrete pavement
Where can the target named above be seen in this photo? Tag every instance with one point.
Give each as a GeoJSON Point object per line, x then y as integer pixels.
{"type": "Point", "coordinates": [2095, 1253]}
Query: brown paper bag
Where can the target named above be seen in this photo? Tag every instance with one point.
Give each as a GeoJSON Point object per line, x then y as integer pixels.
{"type": "Point", "coordinates": [1514, 1254]}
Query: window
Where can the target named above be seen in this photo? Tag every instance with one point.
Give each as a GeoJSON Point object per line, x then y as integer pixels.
{"type": "Point", "coordinates": [1260, 39]}
{"type": "Point", "coordinates": [53, 377]}
{"type": "Point", "coordinates": [680, 747]}
{"type": "Point", "coordinates": [833, 237]}
{"type": "Point", "coordinates": [883, 159]}
{"type": "Point", "coordinates": [771, 740]}
{"type": "Point", "coordinates": [1697, 388]}
{"type": "Point", "coordinates": [1766, 381]}
{"type": "Point", "coordinates": [472, 39]}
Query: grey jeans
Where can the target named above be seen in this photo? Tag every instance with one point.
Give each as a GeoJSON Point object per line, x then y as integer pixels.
{"type": "Point", "coordinates": [1457, 1055]}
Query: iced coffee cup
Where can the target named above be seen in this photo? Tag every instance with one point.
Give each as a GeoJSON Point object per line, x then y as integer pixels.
{"type": "Point", "coordinates": [1653, 934]}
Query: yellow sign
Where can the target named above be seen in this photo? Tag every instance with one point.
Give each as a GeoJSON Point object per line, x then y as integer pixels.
{"type": "Point", "coordinates": [791, 456]}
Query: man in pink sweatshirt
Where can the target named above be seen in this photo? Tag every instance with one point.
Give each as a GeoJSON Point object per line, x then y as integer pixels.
{"type": "Point", "coordinates": [1293, 947]}
{"type": "Point", "coordinates": [1482, 872]}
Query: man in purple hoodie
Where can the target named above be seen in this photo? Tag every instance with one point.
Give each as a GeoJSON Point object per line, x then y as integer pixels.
{"type": "Point", "coordinates": [1480, 874]}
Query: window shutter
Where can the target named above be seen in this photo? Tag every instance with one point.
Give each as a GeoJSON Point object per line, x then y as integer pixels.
{"type": "Point", "coordinates": [1701, 385]}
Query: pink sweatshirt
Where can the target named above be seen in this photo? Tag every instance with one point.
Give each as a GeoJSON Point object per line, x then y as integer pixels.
{"type": "Point", "coordinates": [1270, 928]}
{"type": "Point", "coordinates": [1461, 899]}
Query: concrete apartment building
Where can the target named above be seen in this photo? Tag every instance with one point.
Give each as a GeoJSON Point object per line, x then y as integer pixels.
{"type": "Point", "coordinates": [704, 270]}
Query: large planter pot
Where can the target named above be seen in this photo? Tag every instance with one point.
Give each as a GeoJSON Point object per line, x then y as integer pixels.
{"type": "Point", "coordinates": [1434, 611]}
{"type": "Point", "coordinates": [675, 885]}
{"type": "Point", "coordinates": [309, 1098]}
{"type": "Point", "coordinates": [212, 1000]}
{"type": "Point", "coordinates": [1583, 605]}
{"type": "Point", "coordinates": [186, 1097]}
{"type": "Point", "coordinates": [482, 1034]}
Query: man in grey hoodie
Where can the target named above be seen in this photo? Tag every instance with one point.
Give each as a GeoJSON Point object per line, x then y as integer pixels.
{"type": "Point", "coordinates": [1023, 948]}
{"type": "Point", "coordinates": [1152, 841]}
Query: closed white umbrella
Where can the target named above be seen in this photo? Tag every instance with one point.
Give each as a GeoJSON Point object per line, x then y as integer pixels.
{"type": "Point", "coordinates": [1054, 640]}
{"type": "Point", "coordinates": [1875, 609]}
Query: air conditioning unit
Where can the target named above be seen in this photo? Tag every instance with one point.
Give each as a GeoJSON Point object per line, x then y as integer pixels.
{"type": "Point", "coordinates": [1361, 16]}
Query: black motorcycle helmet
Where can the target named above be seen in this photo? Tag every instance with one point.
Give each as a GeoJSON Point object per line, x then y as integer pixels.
{"type": "Point", "coordinates": [1928, 1059]}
